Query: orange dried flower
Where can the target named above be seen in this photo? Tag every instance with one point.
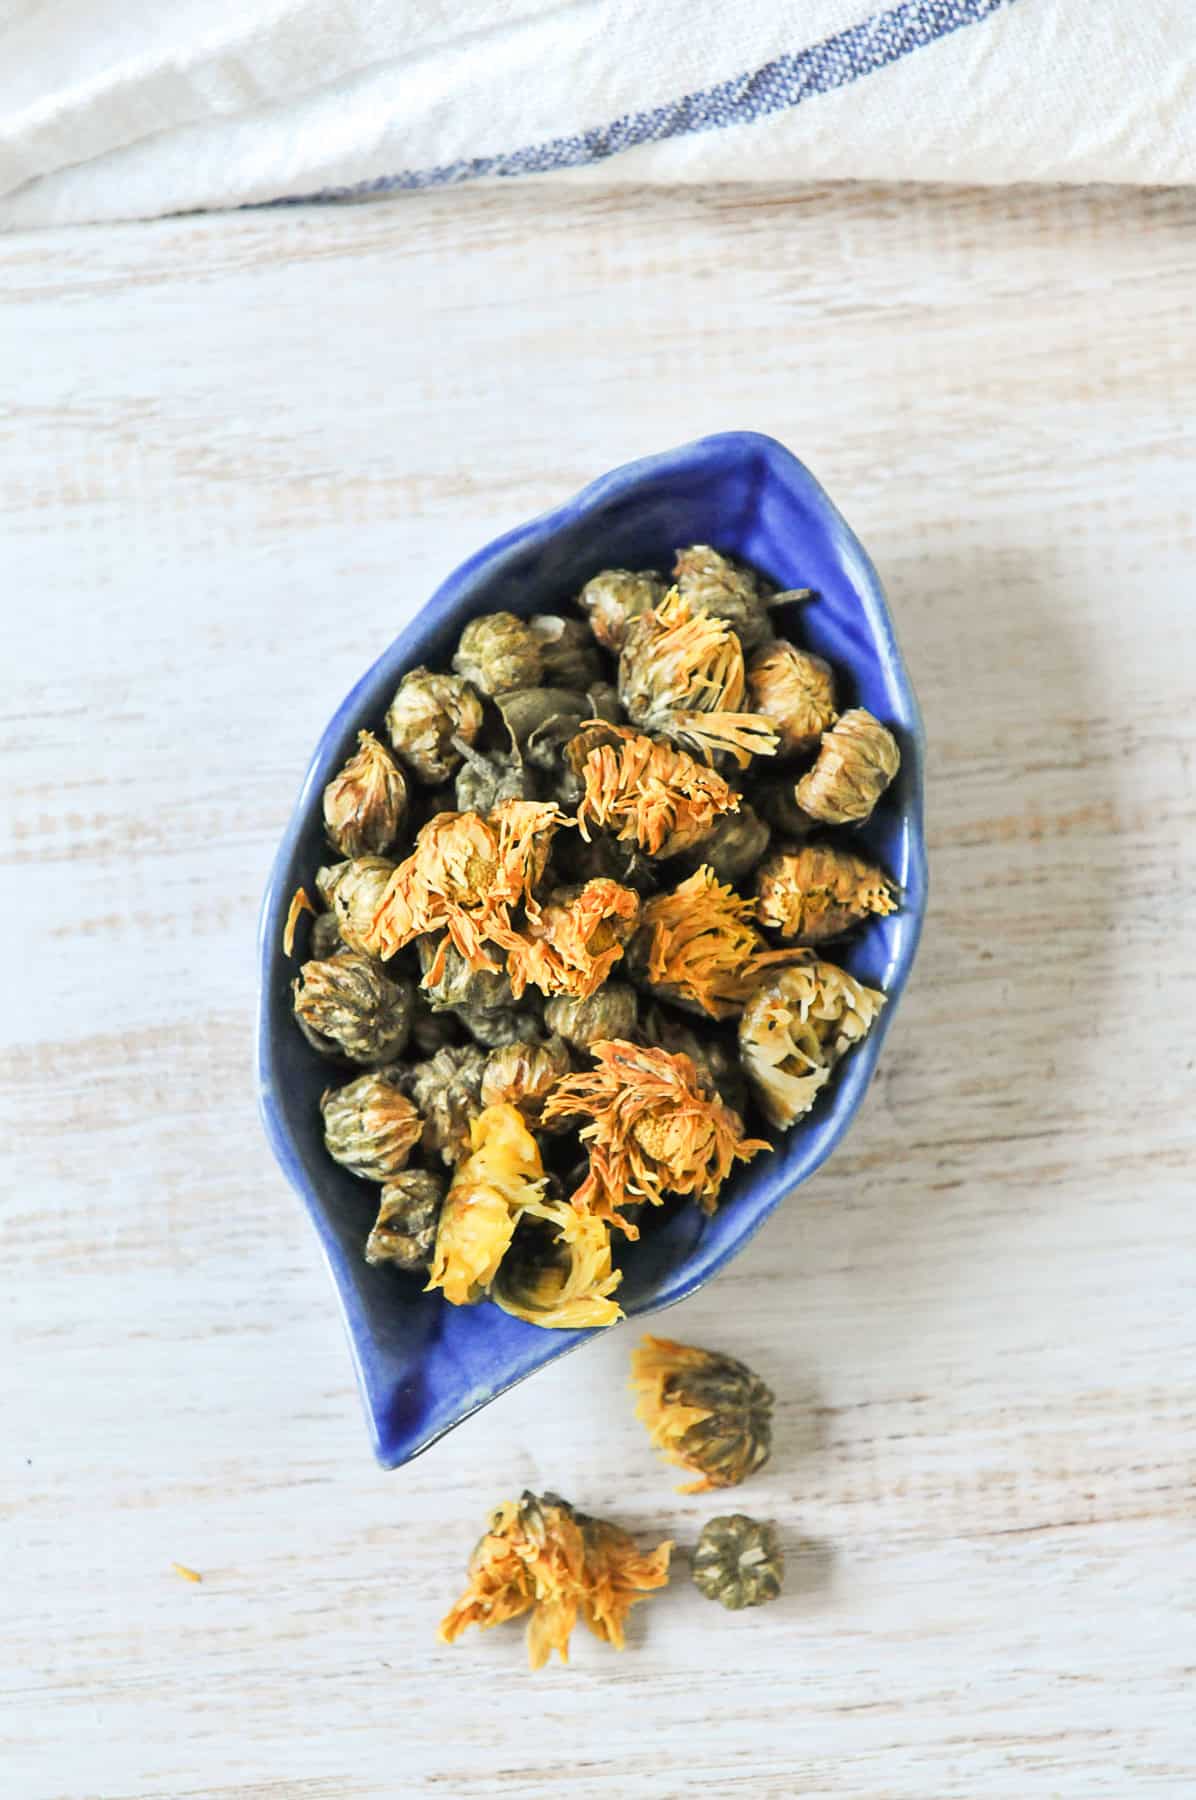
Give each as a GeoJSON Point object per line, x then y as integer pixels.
{"type": "Point", "coordinates": [501, 1178]}
{"type": "Point", "coordinates": [576, 940]}
{"type": "Point", "coordinates": [699, 948]}
{"type": "Point", "coordinates": [572, 1286]}
{"type": "Point", "coordinates": [652, 794]}
{"type": "Point", "coordinates": [655, 1127]}
{"type": "Point", "coordinates": [818, 891]}
{"type": "Point", "coordinates": [542, 1557]}
{"type": "Point", "coordinates": [682, 674]}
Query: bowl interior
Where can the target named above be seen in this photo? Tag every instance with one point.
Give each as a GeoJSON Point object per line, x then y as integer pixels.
{"type": "Point", "coordinates": [423, 1365]}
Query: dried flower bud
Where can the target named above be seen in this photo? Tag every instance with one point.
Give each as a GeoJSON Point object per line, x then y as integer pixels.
{"type": "Point", "coordinates": [370, 1127]}
{"type": "Point", "coordinates": [365, 805]}
{"type": "Point", "coordinates": [615, 597]}
{"type": "Point", "coordinates": [819, 891]}
{"type": "Point", "coordinates": [682, 674]}
{"type": "Point", "coordinates": [610, 1013]}
{"type": "Point", "coordinates": [484, 782]}
{"type": "Point", "coordinates": [705, 1412]}
{"type": "Point", "coordinates": [567, 651]}
{"type": "Point", "coordinates": [350, 1007]}
{"type": "Point", "coordinates": [496, 1026]}
{"type": "Point", "coordinates": [711, 1056]}
{"type": "Point", "coordinates": [499, 652]}
{"type": "Point", "coordinates": [775, 799]}
{"type": "Point", "coordinates": [456, 984]}
{"type": "Point", "coordinates": [540, 721]}
{"type": "Point", "coordinates": [539, 1556]}
{"type": "Point", "coordinates": [715, 585]}
{"type": "Point", "coordinates": [326, 939]}
{"type": "Point", "coordinates": [653, 1126]}
{"type": "Point", "coordinates": [649, 793]}
{"type": "Point", "coordinates": [738, 1561]}
{"type": "Point", "coordinates": [523, 1074]}
{"type": "Point", "coordinates": [856, 762]}
{"type": "Point", "coordinates": [796, 1027]}
{"type": "Point", "coordinates": [426, 714]}
{"type": "Point", "coordinates": [353, 892]}
{"type": "Point", "coordinates": [734, 845]}
{"type": "Point", "coordinates": [698, 948]}
{"type": "Point", "coordinates": [795, 691]}
{"type": "Point", "coordinates": [447, 1090]}
{"type": "Point", "coordinates": [499, 1179]}
{"type": "Point", "coordinates": [405, 1230]}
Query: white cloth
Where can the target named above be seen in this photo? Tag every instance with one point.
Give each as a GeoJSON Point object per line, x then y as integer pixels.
{"type": "Point", "coordinates": [113, 112]}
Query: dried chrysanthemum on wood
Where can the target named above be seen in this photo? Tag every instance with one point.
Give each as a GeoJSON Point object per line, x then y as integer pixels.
{"type": "Point", "coordinates": [567, 651]}
{"type": "Point", "coordinates": [705, 1412]}
{"type": "Point", "coordinates": [653, 1127]}
{"type": "Point", "coordinates": [651, 794]}
{"type": "Point", "coordinates": [426, 714]}
{"type": "Point", "coordinates": [795, 691]}
{"type": "Point", "coordinates": [568, 1285]}
{"type": "Point", "coordinates": [857, 760]}
{"type": "Point", "coordinates": [405, 1230]}
{"type": "Point", "coordinates": [610, 1013]}
{"type": "Point", "coordinates": [500, 1178]}
{"type": "Point", "coordinates": [353, 891]}
{"type": "Point", "coordinates": [348, 1006]}
{"type": "Point", "coordinates": [574, 941]}
{"type": "Point", "coordinates": [447, 1090]}
{"type": "Point", "coordinates": [499, 652]}
{"type": "Point", "coordinates": [370, 1126]}
{"type": "Point", "coordinates": [366, 803]}
{"type": "Point", "coordinates": [540, 1556]}
{"type": "Point", "coordinates": [794, 1030]}
{"type": "Point", "coordinates": [699, 948]}
{"type": "Point", "coordinates": [735, 844]}
{"type": "Point", "coordinates": [819, 891]}
{"type": "Point", "coordinates": [738, 1561]}
{"type": "Point", "coordinates": [523, 1074]}
{"type": "Point", "coordinates": [682, 674]}
{"type": "Point", "coordinates": [614, 598]}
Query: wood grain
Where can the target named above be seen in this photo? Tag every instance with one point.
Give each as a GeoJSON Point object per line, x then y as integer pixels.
{"type": "Point", "coordinates": [235, 453]}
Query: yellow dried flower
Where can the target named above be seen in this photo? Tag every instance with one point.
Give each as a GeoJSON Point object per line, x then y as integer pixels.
{"type": "Point", "coordinates": [795, 690]}
{"type": "Point", "coordinates": [819, 891]}
{"type": "Point", "coordinates": [655, 1127]}
{"type": "Point", "coordinates": [857, 760]}
{"type": "Point", "coordinates": [681, 674]}
{"type": "Point", "coordinates": [699, 948]}
{"type": "Point", "coordinates": [502, 1177]}
{"type": "Point", "coordinates": [365, 805]}
{"type": "Point", "coordinates": [794, 1030]}
{"type": "Point", "coordinates": [652, 794]}
{"type": "Point", "coordinates": [570, 1287]}
{"type": "Point", "coordinates": [576, 940]}
{"type": "Point", "coordinates": [540, 1556]}
{"type": "Point", "coordinates": [705, 1412]}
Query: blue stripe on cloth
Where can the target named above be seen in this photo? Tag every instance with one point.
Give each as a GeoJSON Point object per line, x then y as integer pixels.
{"type": "Point", "coordinates": [776, 86]}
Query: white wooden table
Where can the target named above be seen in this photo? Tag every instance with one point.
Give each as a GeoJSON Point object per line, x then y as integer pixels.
{"type": "Point", "coordinates": [236, 452]}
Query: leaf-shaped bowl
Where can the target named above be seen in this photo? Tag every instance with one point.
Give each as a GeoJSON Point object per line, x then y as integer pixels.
{"type": "Point", "coordinates": [424, 1366]}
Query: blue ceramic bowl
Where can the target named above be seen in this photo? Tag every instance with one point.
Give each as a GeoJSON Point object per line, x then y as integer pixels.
{"type": "Point", "coordinates": [423, 1366]}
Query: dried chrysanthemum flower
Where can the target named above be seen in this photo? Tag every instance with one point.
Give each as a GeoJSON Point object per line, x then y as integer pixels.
{"type": "Point", "coordinates": [575, 940]}
{"type": "Point", "coordinates": [523, 1074]}
{"type": "Point", "coordinates": [698, 947]}
{"type": "Point", "coordinates": [794, 1030]}
{"type": "Point", "coordinates": [795, 691]}
{"type": "Point", "coordinates": [426, 714]}
{"type": "Point", "coordinates": [713, 1058]}
{"type": "Point", "coordinates": [405, 1230]}
{"type": "Point", "coordinates": [713, 584]}
{"type": "Point", "coordinates": [614, 598]}
{"type": "Point", "coordinates": [705, 1412]}
{"type": "Point", "coordinates": [651, 794]}
{"type": "Point", "coordinates": [300, 903]}
{"type": "Point", "coordinates": [456, 984]}
{"type": "Point", "coordinates": [610, 1013]}
{"type": "Point", "coordinates": [567, 651]}
{"type": "Point", "coordinates": [540, 1556]}
{"type": "Point", "coordinates": [857, 760]}
{"type": "Point", "coordinates": [501, 1178]}
{"type": "Point", "coordinates": [568, 1285]}
{"type": "Point", "coordinates": [738, 1561]}
{"type": "Point", "coordinates": [447, 1090]}
{"type": "Point", "coordinates": [350, 1007]}
{"type": "Point", "coordinates": [370, 1126]}
{"type": "Point", "coordinates": [353, 891]}
{"type": "Point", "coordinates": [819, 891]}
{"type": "Point", "coordinates": [484, 782]}
{"type": "Point", "coordinates": [499, 652]}
{"type": "Point", "coordinates": [365, 805]}
{"type": "Point", "coordinates": [654, 1127]}
{"type": "Point", "coordinates": [682, 674]}
{"type": "Point", "coordinates": [735, 844]}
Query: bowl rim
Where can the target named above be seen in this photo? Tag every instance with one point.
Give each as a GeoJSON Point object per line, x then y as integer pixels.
{"type": "Point", "coordinates": [450, 597]}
